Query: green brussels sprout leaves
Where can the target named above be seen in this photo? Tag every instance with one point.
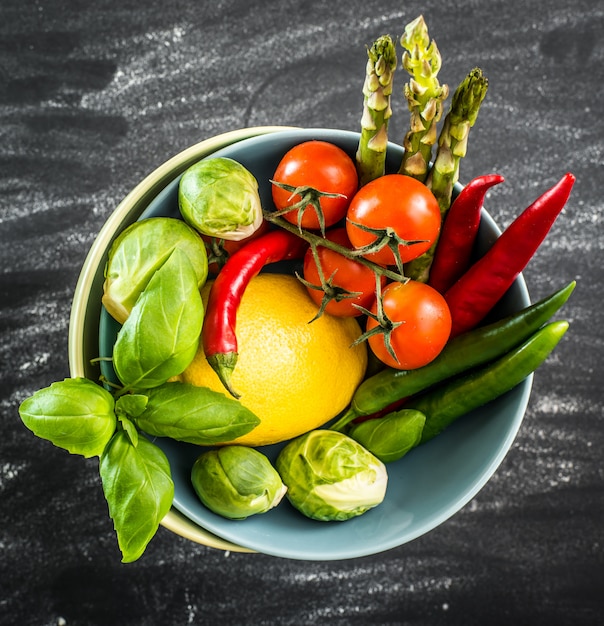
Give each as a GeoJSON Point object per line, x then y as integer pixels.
{"type": "Point", "coordinates": [331, 477]}
{"type": "Point", "coordinates": [219, 197]}
{"type": "Point", "coordinates": [236, 482]}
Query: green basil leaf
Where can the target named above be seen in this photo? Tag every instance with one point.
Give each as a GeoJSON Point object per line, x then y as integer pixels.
{"type": "Point", "coordinates": [129, 429]}
{"type": "Point", "coordinates": [131, 405]}
{"type": "Point", "coordinates": [195, 414]}
{"type": "Point", "coordinates": [139, 251]}
{"type": "Point", "coordinates": [75, 414]}
{"type": "Point", "coordinates": [160, 337]}
{"type": "Point", "coordinates": [392, 436]}
{"type": "Point", "coordinates": [139, 491]}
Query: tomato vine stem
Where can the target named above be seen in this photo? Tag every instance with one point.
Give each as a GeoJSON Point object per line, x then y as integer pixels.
{"type": "Point", "coordinates": [385, 325]}
{"type": "Point", "coordinates": [318, 240]}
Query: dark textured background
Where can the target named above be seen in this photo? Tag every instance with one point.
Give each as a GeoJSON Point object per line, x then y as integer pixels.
{"type": "Point", "coordinates": [93, 96]}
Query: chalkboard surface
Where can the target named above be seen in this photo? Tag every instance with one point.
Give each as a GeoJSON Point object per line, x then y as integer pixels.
{"type": "Point", "coordinates": [94, 96]}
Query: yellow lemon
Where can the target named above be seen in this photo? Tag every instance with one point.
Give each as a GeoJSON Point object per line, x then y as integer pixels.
{"type": "Point", "coordinates": [294, 375]}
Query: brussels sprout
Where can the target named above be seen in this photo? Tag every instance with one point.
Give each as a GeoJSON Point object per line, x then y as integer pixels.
{"type": "Point", "coordinates": [236, 482]}
{"type": "Point", "coordinates": [139, 252]}
{"type": "Point", "coordinates": [219, 197]}
{"type": "Point", "coordinates": [331, 477]}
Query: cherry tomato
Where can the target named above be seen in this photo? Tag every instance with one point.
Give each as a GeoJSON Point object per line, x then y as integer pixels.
{"type": "Point", "coordinates": [348, 275]}
{"type": "Point", "coordinates": [398, 202]}
{"type": "Point", "coordinates": [324, 167]}
{"type": "Point", "coordinates": [424, 329]}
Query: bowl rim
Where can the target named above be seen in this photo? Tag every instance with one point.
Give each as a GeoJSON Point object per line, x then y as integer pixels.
{"type": "Point", "coordinates": [84, 321]}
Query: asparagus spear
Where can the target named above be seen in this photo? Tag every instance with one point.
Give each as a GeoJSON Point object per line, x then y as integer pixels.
{"type": "Point", "coordinates": [452, 146]}
{"type": "Point", "coordinates": [425, 97]}
{"type": "Point", "coordinates": [453, 138]}
{"type": "Point", "coordinates": [371, 153]}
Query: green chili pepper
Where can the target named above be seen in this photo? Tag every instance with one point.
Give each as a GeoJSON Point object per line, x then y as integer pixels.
{"type": "Point", "coordinates": [472, 349]}
{"type": "Point", "coordinates": [444, 404]}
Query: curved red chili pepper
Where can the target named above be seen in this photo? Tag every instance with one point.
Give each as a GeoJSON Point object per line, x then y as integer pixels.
{"type": "Point", "coordinates": [218, 331]}
{"type": "Point", "coordinates": [487, 280]}
{"type": "Point", "coordinates": [458, 234]}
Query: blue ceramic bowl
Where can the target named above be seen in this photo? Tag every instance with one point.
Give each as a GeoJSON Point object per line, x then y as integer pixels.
{"type": "Point", "coordinates": [425, 488]}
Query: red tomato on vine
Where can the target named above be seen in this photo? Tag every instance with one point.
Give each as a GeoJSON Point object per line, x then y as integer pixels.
{"type": "Point", "coordinates": [420, 325]}
{"type": "Point", "coordinates": [399, 205]}
{"type": "Point", "coordinates": [322, 167]}
{"type": "Point", "coordinates": [349, 281]}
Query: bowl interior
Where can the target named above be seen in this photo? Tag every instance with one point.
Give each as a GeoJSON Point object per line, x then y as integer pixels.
{"type": "Point", "coordinates": [426, 487]}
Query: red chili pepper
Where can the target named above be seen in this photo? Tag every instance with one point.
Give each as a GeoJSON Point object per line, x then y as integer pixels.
{"type": "Point", "coordinates": [472, 297]}
{"type": "Point", "coordinates": [218, 331]}
{"type": "Point", "coordinates": [458, 234]}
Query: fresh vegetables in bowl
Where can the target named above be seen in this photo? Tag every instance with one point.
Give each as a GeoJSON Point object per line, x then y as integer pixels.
{"type": "Point", "coordinates": [368, 305]}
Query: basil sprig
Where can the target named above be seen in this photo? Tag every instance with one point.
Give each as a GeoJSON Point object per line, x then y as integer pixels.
{"type": "Point", "coordinates": [157, 341]}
